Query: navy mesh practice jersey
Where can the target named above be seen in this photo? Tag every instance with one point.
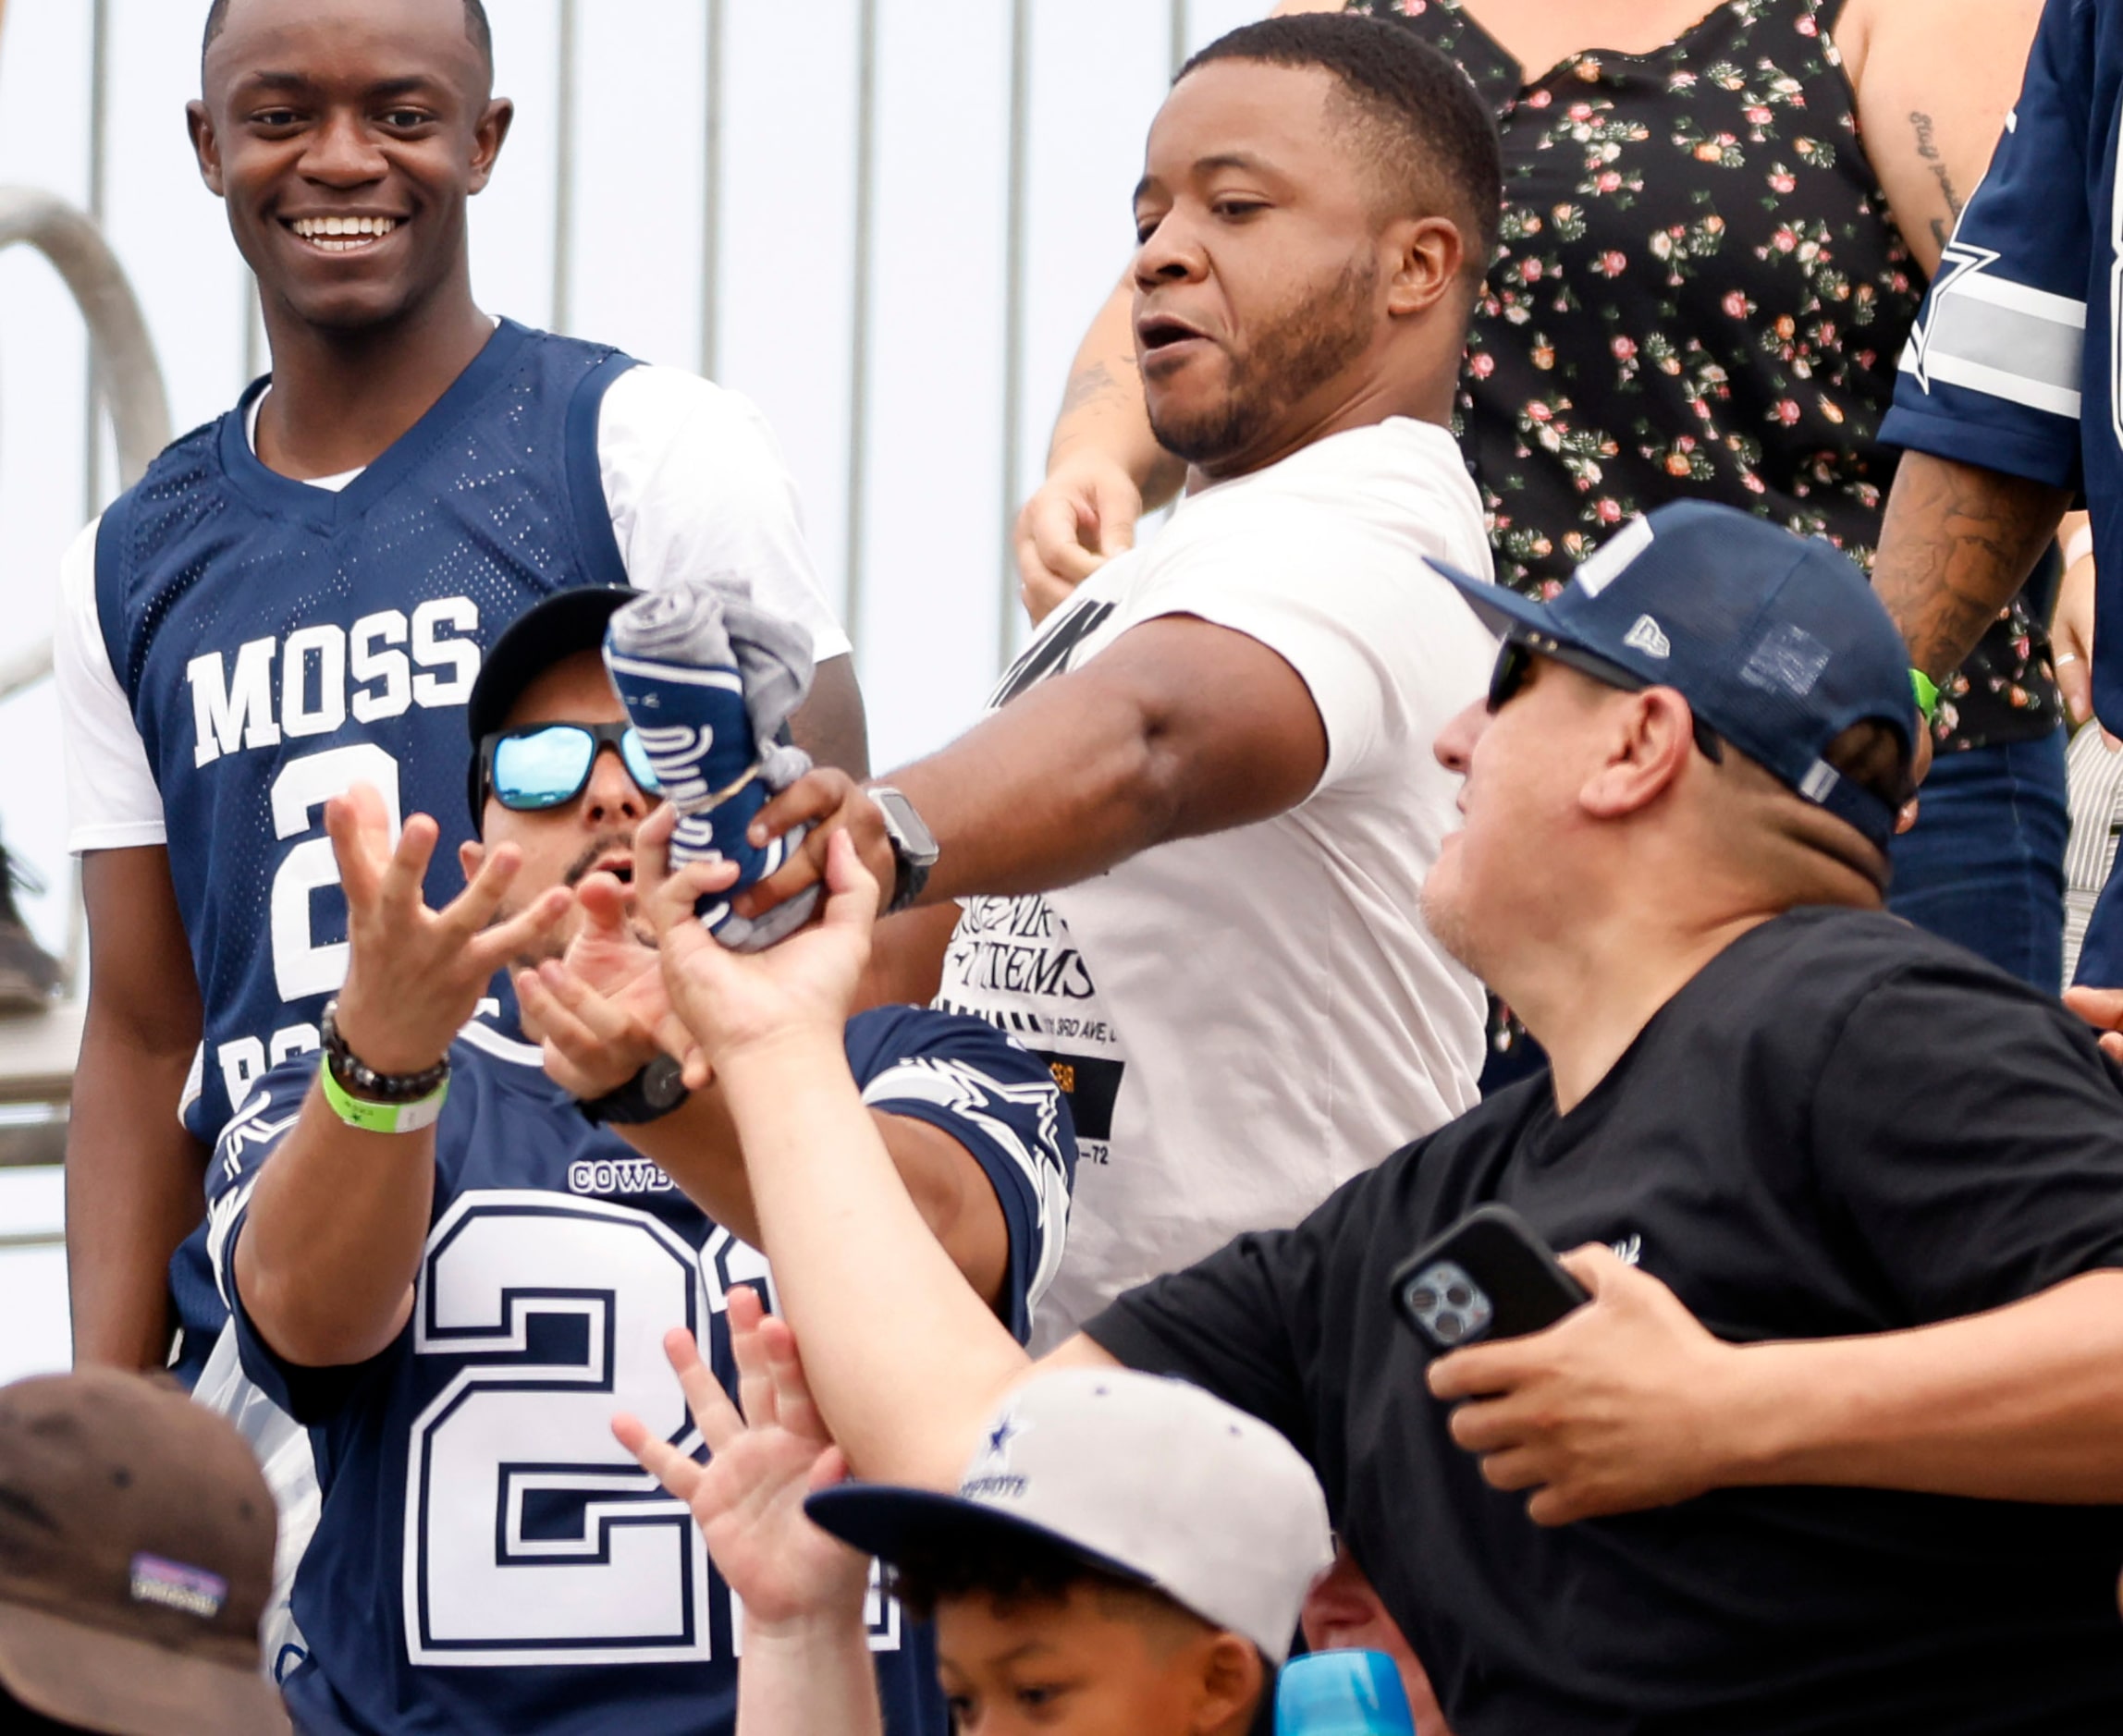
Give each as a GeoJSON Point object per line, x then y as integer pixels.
{"type": "Point", "coordinates": [2012, 365]}
{"type": "Point", "coordinates": [279, 643]}
{"type": "Point", "coordinates": [488, 1558]}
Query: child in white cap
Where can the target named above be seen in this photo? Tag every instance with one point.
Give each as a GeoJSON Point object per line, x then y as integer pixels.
{"type": "Point", "coordinates": [1126, 1555]}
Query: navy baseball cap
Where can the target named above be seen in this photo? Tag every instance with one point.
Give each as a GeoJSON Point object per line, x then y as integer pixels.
{"type": "Point", "coordinates": [1775, 640]}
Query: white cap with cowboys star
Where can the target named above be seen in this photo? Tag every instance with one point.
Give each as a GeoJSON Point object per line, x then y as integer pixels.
{"type": "Point", "coordinates": [1146, 1476]}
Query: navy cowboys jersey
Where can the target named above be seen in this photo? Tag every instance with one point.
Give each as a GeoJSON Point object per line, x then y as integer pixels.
{"type": "Point", "coordinates": [2013, 364]}
{"type": "Point", "coordinates": [279, 643]}
{"type": "Point", "coordinates": [487, 1557]}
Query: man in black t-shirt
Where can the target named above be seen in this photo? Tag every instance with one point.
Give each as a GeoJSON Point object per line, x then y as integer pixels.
{"type": "Point", "coordinates": [1837, 1446]}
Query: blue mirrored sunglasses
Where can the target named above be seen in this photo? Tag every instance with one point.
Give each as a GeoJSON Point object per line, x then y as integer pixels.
{"type": "Point", "coordinates": [547, 766]}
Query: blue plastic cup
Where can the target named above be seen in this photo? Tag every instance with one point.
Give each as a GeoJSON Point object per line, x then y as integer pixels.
{"type": "Point", "coordinates": [1342, 1693]}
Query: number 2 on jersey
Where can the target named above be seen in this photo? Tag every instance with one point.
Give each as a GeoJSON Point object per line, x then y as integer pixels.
{"type": "Point", "coordinates": [300, 967]}
{"type": "Point", "coordinates": [531, 1537]}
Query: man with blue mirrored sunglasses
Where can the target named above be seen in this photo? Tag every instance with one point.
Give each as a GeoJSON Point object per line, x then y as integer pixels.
{"type": "Point", "coordinates": [456, 1249]}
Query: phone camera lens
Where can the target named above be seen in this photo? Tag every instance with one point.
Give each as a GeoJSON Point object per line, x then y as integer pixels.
{"type": "Point", "coordinates": [1458, 1295]}
{"type": "Point", "coordinates": [1423, 1299]}
{"type": "Point", "coordinates": [1451, 1329]}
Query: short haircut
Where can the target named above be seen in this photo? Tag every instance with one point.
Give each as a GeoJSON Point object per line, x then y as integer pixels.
{"type": "Point", "coordinates": [1431, 137]}
{"type": "Point", "coordinates": [476, 27]}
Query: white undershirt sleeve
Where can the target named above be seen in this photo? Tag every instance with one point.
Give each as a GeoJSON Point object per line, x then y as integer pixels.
{"type": "Point", "coordinates": [696, 486]}
{"type": "Point", "coordinates": [112, 800]}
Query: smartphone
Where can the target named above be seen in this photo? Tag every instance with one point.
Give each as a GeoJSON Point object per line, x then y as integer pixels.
{"type": "Point", "coordinates": [1488, 1276]}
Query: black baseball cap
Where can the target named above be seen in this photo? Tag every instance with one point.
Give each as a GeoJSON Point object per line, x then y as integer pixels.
{"type": "Point", "coordinates": [545, 633]}
{"type": "Point", "coordinates": [1777, 640]}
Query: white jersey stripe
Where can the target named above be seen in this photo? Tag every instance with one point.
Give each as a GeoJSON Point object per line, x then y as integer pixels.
{"type": "Point", "coordinates": [2018, 298]}
{"type": "Point", "coordinates": [2013, 388]}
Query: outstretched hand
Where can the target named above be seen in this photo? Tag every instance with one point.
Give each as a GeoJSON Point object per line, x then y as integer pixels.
{"type": "Point", "coordinates": [414, 976]}
{"type": "Point", "coordinates": [830, 802]}
{"type": "Point", "coordinates": [748, 1498]}
{"type": "Point", "coordinates": [1624, 1404]}
{"type": "Point", "coordinates": [734, 1003]}
{"type": "Point", "coordinates": [600, 1011]}
{"type": "Point", "coordinates": [1076, 520]}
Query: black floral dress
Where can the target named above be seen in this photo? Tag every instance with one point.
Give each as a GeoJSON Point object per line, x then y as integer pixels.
{"type": "Point", "coordinates": [1700, 293]}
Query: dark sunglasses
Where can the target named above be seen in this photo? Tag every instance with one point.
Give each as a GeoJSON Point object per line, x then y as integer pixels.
{"type": "Point", "coordinates": [547, 766]}
{"type": "Point", "coordinates": [1521, 648]}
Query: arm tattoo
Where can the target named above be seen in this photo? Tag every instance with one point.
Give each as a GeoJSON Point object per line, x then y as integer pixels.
{"type": "Point", "coordinates": [1957, 545]}
{"type": "Point", "coordinates": [1094, 385]}
{"type": "Point", "coordinates": [1927, 149]}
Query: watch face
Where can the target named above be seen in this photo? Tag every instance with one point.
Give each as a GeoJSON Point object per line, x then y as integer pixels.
{"type": "Point", "coordinates": [663, 1082]}
{"type": "Point", "coordinates": [912, 836]}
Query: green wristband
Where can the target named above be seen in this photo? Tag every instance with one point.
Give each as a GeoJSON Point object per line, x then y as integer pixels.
{"type": "Point", "coordinates": [1927, 693]}
{"type": "Point", "coordinates": [382, 1117]}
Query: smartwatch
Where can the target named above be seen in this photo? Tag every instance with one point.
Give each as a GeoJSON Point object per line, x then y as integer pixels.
{"type": "Point", "coordinates": [649, 1096]}
{"type": "Point", "coordinates": [914, 846]}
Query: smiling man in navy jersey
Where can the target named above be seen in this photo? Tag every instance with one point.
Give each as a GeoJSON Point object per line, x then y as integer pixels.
{"type": "Point", "coordinates": [454, 1276]}
{"type": "Point", "coordinates": [297, 596]}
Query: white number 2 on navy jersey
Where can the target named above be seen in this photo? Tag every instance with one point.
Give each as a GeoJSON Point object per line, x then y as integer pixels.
{"type": "Point", "coordinates": [530, 1535]}
{"type": "Point", "coordinates": [300, 967]}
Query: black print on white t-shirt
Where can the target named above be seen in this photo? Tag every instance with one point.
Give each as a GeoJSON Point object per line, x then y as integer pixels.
{"type": "Point", "coordinates": [1050, 653]}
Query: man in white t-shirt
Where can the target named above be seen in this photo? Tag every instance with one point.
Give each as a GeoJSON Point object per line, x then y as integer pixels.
{"type": "Point", "coordinates": [298, 596]}
{"type": "Point", "coordinates": [1189, 840]}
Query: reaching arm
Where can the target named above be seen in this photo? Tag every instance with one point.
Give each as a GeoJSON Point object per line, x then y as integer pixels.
{"type": "Point", "coordinates": [1958, 543]}
{"type": "Point", "coordinates": [806, 1668]}
{"type": "Point", "coordinates": [601, 1015]}
{"type": "Point", "coordinates": [2023, 1403]}
{"type": "Point", "coordinates": [133, 1173]}
{"type": "Point", "coordinates": [337, 1222]}
{"type": "Point", "coordinates": [905, 1359]}
{"type": "Point", "coordinates": [1179, 727]}
{"type": "Point", "coordinates": [698, 1149]}
{"type": "Point", "coordinates": [1933, 80]}
{"type": "Point", "coordinates": [326, 1261]}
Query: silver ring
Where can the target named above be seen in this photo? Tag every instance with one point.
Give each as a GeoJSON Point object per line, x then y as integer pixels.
{"type": "Point", "coordinates": [2069, 657]}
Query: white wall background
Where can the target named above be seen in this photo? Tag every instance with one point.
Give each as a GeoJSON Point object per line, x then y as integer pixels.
{"type": "Point", "coordinates": [908, 519]}
{"type": "Point", "coordinates": [910, 464]}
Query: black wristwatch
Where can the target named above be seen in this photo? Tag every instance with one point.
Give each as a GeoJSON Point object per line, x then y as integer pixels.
{"type": "Point", "coordinates": [914, 846]}
{"type": "Point", "coordinates": [359, 1079]}
{"type": "Point", "coordinates": [649, 1096]}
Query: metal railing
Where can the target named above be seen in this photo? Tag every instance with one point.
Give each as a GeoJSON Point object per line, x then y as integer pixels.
{"type": "Point", "coordinates": [128, 376]}
{"type": "Point", "coordinates": [37, 1053]}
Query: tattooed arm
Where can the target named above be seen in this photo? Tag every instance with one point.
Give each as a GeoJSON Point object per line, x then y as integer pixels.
{"type": "Point", "coordinates": [1104, 466]}
{"type": "Point", "coordinates": [1958, 543]}
{"type": "Point", "coordinates": [1933, 80]}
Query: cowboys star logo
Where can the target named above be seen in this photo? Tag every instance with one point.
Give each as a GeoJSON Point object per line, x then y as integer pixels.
{"type": "Point", "coordinates": [1960, 259]}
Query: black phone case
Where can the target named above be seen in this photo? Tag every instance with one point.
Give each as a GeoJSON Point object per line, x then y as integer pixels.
{"type": "Point", "coordinates": [1525, 1284]}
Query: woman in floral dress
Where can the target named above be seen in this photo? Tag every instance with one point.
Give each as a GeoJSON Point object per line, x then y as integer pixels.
{"type": "Point", "coordinates": [1719, 223]}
